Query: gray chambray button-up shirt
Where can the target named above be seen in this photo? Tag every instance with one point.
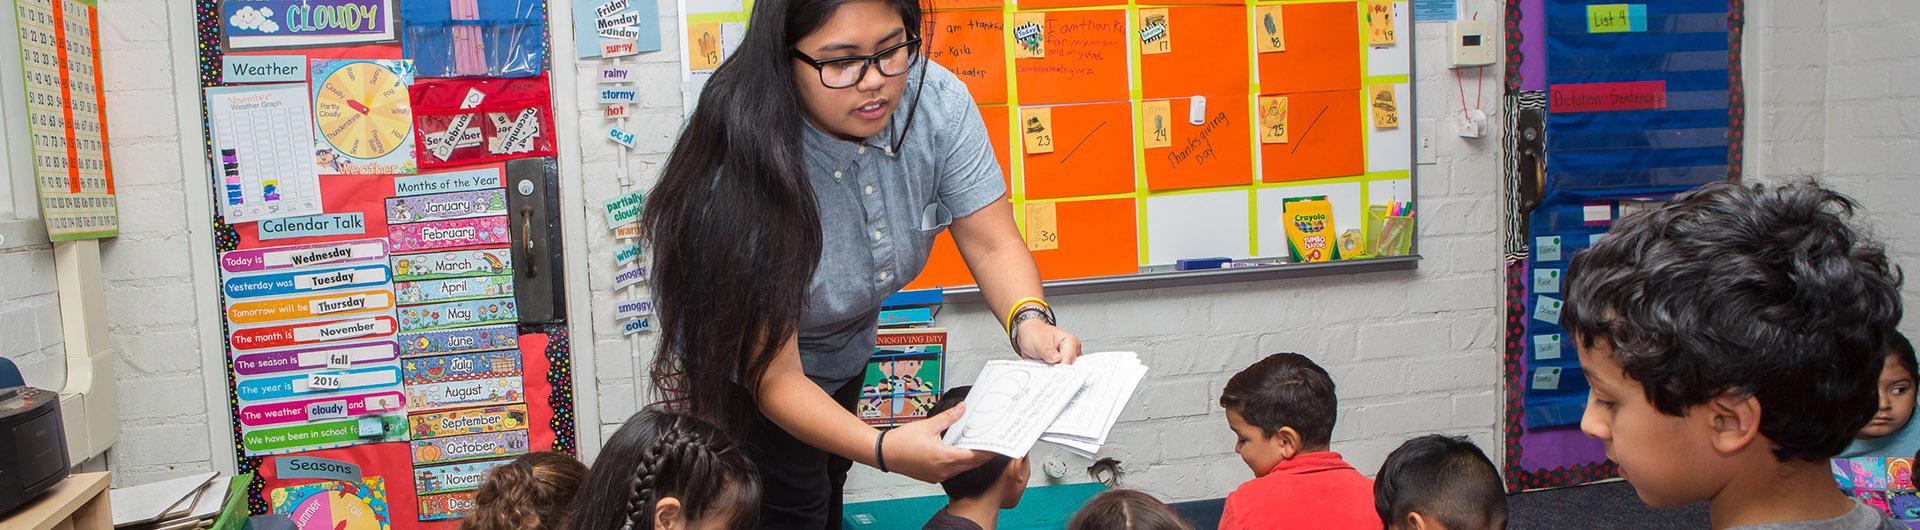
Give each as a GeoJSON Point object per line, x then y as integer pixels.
{"type": "Point", "coordinates": [880, 212]}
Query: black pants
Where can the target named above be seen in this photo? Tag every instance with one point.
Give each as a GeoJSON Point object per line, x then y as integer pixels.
{"type": "Point", "coordinates": [801, 486]}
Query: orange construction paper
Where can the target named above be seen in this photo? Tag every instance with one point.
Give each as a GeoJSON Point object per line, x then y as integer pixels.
{"type": "Point", "coordinates": [1218, 153]}
{"type": "Point", "coordinates": [1323, 50]}
{"type": "Point", "coordinates": [1086, 59]}
{"type": "Point", "coordinates": [969, 44]}
{"type": "Point", "coordinates": [940, 5]}
{"type": "Point", "coordinates": [1097, 238]}
{"type": "Point", "coordinates": [1092, 155]}
{"type": "Point", "coordinates": [1209, 55]}
{"type": "Point", "coordinates": [1049, 4]}
{"type": "Point", "coordinates": [1325, 131]}
{"type": "Point", "coordinates": [996, 119]}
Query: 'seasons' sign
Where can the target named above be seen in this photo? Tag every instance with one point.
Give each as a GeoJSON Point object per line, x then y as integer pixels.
{"type": "Point", "coordinates": [252, 24]}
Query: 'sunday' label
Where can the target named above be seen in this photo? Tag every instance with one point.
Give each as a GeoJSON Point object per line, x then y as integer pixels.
{"type": "Point", "coordinates": [453, 264]}
{"type": "Point", "coordinates": [297, 256]}
{"type": "Point", "coordinates": [312, 358]}
{"type": "Point", "coordinates": [285, 283]}
{"type": "Point", "coordinates": [264, 337]}
{"type": "Point", "coordinates": [418, 343]}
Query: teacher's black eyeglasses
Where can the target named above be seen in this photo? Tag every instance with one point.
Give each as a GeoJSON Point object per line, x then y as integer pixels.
{"type": "Point", "coordinates": [843, 72]}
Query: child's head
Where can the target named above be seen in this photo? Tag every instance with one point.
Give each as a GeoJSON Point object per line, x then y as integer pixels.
{"type": "Point", "coordinates": [1281, 406]}
{"type": "Point", "coordinates": [1002, 476]}
{"type": "Point", "coordinates": [665, 470]}
{"type": "Point", "coordinates": [1897, 377]}
{"type": "Point", "coordinates": [1439, 482]}
{"type": "Point", "coordinates": [1128, 509]}
{"type": "Point", "coordinates": [531, 492]}
{"type": "Point", "coordinates": [1733, 331]}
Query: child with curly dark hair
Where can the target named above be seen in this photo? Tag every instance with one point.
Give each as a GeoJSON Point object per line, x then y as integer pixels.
{"type": "Point", "coordinates": [532, 492]}
{"type": "Point", "coordinates": [669, 471]}
{"type": "Point", "coordinates": [1891, 432]}
{"type": "Point", "coordinates": [1732, 339]}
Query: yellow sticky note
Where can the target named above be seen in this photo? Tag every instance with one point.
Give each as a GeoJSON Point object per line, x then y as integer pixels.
{"type": "Point", "coordinates": [1380, 23]}
{"type": "Point", "coordinates": [1273, 119]}
{"type": "Point", "coordinates": [1036, 129]}
{"type": "Point", "coordinates": [1155, 36]}
{"type": "Point", "coordinates": [1386, 111]}
{"type": "Point", "coordinates": [1157, 116]}
{"type": "Point", "coordinates": [1029, 35]}
{"type": "Point", "coordinates": [1043, 226]}
{"type": "Point", "coordinates": [703, 46]}
{"type": "Point", "coordinates": [1269, 29]}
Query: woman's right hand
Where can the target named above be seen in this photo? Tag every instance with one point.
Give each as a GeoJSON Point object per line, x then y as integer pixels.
{"type": "Point", "coordinates": [915, 449]}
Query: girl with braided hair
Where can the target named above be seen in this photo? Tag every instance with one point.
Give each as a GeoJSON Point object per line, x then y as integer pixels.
{"type": "Point", "coordinates": [532, 492]}
{"type": "Point", "coordinates": [669, 471]}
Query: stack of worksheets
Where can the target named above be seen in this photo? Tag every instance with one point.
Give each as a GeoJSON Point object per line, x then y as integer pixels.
{"type": "Point", "coordinates": [1016, 403]}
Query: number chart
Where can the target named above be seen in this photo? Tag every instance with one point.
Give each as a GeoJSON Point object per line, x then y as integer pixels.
{"type": "Point", "coordinates": [59, 47]}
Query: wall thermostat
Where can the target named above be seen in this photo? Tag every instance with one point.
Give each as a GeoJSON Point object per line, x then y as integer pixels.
{"type": "Point", "coordinates": [1472, 42]}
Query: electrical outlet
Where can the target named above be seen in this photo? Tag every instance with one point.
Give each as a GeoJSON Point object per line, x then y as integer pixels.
{"type": "Point", "coordinates": [1428, 152]}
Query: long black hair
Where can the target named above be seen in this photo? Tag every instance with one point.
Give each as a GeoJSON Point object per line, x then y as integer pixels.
{"type": "Point", "coordinates": [733, 223]}
{"type": "Point", "coordinates": [658, 454]}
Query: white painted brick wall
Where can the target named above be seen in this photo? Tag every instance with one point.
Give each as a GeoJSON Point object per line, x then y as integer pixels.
{"type": "Point", "coordinates": [1834, 93]}
{"type": "Point", "coordinates": [30, 316]}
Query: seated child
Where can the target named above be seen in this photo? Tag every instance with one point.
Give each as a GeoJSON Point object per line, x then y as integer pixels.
{"type": "Point", "coordinates": [1129, 510]}
{"type": "Point", "coordinates": [1890, 434]}
{"type": "Point", "coordinates": [975, 497]}
{"type": "Point", "coordinates": [668, 470]}
{"type": "Point", "coordinates": [532, 492]}
{"type": "Point", "coordinates": [1732, 338]}
{"type": "Point", "coordinates": [1439, 482]}
{"type": "Point", "coordinates": [1282, 410]}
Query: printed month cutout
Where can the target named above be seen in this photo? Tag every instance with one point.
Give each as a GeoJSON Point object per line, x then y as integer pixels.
{"type": "Point", "coordinates": [1093, 153]}
{"type": "Point", "coordinates": [1218, 152]}
{"type": "Point", "coordinates": [1208, 60]}
{"type": "Point", "coordinates": [1321, 52]}
{"type": "Point", "coordinates": [1323, 138]}
{"type": "Point", "coordinates": [462, 340]}
{"type": "Point", "coordinates": [1086, 58]}
{"type": "Point", "coordinates": [971, 45]}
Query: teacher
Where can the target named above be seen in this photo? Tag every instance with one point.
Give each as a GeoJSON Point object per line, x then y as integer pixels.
{"type": "Point", "coordinates": [809, 184]}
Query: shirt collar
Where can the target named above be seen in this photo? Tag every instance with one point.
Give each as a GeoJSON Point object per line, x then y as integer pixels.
{"type": "Point", "coordinates": [1309, 463]}
{"type": "Point", "coordinates": [824, 142]}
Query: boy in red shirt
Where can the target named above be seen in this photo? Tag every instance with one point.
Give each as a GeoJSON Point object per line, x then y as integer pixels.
{"type": "Point", "coordinates": [1282, 411]}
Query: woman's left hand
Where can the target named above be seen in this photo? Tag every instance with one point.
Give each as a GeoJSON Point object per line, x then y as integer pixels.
{"type": "Point", "coordinates": [1041, 341]}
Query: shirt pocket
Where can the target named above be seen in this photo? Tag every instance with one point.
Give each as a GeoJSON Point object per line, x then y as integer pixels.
{"type": "Point", "coordinates": [934, 217]}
